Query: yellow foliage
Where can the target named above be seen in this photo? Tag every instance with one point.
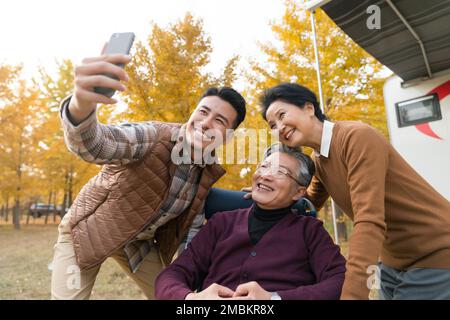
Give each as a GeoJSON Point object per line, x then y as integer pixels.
{"type": "Point", "coordinates": [167, 78]}
{"type": "Point", "coordinates": [352, 87]}
{"type": "Point", "coordinates": [60, 169]}
{"type": "Point", "coordinates": [167, 73]}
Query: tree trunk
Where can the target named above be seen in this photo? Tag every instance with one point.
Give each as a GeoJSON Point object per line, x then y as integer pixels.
{"type": "Point", "coordinates": [64, 204]}
{"type": "Point", "coordinates": [66, 192]}
{"type": "Point", "coordinates": [16, 211]}
{"type": "Point", "coordinates": [340, 224]}
{"type": "Point", "coordinates": [28, 216]}
{"type": "Point", "coordinates": [70, 186]}
{"type": "Point", "coordinates": [16, 214]}
{"type": "Point", "coordinates": [56, 206]}
{"type": "Point", "coordinates": [48, 206]}
{"type": "Point", "coordinates": [7, 208]}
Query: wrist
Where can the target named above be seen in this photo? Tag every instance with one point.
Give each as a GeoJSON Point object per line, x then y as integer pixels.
{"type": "Point", "coordinates": [78, 112]}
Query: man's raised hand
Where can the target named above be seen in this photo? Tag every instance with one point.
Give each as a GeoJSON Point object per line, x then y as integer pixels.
{"type": "Point", "coordinates": [90, 74]}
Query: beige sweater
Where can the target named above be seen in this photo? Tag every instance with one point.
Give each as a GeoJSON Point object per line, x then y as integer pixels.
{"type": "Point", "coordinates": [397, 216]}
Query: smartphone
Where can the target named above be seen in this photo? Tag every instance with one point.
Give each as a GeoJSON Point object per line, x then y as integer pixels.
{"type": "Point", "coordinates": [118, 43]}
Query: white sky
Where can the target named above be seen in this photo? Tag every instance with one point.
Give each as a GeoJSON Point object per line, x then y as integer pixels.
{"type": "Point", "coordinates": [40, 31]}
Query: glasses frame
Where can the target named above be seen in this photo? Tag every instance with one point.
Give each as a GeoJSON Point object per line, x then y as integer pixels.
{"type": "Point", "coordinates": [271, 169]}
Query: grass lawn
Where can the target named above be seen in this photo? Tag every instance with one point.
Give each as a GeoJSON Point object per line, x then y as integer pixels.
{"type": "Point", "coordinates": [24, 274]}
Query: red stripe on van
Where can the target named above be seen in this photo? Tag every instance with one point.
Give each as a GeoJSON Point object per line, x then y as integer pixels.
{"type": "Point", "coordinates": [442, 91]}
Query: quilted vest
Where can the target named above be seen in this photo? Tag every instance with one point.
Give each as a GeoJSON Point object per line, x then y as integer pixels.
{"type": "Point", "coordinates": [121, 200]}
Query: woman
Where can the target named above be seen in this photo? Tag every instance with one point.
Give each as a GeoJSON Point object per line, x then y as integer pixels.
{"type": "Point", "coordinates": [397, 216]}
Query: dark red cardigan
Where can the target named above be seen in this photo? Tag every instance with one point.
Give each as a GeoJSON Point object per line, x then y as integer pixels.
{"type": "Point", "coordinates": [296, 258]}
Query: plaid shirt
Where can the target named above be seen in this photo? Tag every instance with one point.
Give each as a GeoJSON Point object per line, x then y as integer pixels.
{"type": "Point", "coordinates": [181, 193]}
{"type": "Point", "coordinates": [121, 144]}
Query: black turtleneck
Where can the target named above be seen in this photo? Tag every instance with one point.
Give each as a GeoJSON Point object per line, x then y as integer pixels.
{"type": "Point", "coordinates": [261, 220]}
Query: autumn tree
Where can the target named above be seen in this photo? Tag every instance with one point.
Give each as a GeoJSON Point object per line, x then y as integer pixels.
{"type": "Point", "coordinates": [352, 86]}
{"type": "Point", "coordinates": [167, 78]}
{"type": "Point", "coordinates": [8, 75]}
{"type": "Point", "coordinates": [60, 169]}
{"type": "Point", "coordinates": [167, 72]}
{"type": "Point", "coordinates": [17, 148]}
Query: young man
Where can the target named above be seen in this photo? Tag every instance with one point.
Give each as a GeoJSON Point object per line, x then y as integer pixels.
{"type": "Point", "coordinates": [397, 216]}
{"type": "Point", "coordinates": [140, 206]}
{"type": "Point", "coordinates": [262, 252]}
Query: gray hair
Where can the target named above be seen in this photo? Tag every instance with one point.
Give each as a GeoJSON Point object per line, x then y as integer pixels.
{"type": "Point", "coordinates": [306, 165]}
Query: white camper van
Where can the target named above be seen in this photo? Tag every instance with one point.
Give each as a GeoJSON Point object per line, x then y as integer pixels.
{"type": "Point", "coordinates": [419, 126]}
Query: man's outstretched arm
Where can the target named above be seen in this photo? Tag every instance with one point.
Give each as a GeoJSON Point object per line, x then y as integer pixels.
{"type": "Point", "coordinates": [83, 134]}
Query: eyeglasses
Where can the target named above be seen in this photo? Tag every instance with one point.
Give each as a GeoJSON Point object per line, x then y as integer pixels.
{"type": "Point", "coordinates": [276, 171]}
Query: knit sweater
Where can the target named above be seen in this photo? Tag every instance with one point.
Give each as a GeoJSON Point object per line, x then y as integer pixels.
{"type": "Point", "coordinates": [296, 258]}
{"type": "Point", "coordinates": [397, 216]}
{"type": "Point", "coordinates": [262, 220]}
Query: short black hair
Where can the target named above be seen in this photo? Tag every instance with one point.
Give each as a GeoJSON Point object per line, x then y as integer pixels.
{"type": "Point", "coordinates": [307, 169]}
{"type": "Point", "coordinates": [231, 96]}
{"type": "Point", "coordinates": [291, 93]}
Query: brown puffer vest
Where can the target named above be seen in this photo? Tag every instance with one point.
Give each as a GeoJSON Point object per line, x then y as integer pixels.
{"type": "Point", "coordinates": [117, 204]}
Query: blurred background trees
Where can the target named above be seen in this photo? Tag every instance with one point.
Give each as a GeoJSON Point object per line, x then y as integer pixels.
{"type": "Point", "coordinates": [167, 77]}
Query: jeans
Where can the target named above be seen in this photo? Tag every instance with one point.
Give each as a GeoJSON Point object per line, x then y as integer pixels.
{"type": "Point", "coordinates": [414, 284]}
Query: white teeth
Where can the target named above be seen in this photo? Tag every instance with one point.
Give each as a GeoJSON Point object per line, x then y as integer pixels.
{"type": "Point", "coordinates": [289, 134]}
{"type": "Point", "coordinates": [264, 187]}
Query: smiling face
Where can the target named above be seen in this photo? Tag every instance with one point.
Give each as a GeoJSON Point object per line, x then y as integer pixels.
{"type": "Point", "coordinates": [273, 188]}
{"type": "Point", "coordinates": [295, 125]}
{"type": "Point", "coordinates": [212, 117]}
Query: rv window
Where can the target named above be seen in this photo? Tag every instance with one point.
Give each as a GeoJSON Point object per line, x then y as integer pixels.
{"type": "Point", "coordinates": [419, 110]}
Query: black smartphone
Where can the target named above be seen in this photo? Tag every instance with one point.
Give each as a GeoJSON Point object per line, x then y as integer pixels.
{"type": "Point", "coordinates": [118, 43]}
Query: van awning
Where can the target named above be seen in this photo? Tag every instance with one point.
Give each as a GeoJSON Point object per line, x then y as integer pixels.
{"type": "Point", "coordinates": [405, 24]}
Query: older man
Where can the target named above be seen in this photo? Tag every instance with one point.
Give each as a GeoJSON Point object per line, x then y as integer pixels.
{"type": "Point", "coordinates": [262, 252]}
